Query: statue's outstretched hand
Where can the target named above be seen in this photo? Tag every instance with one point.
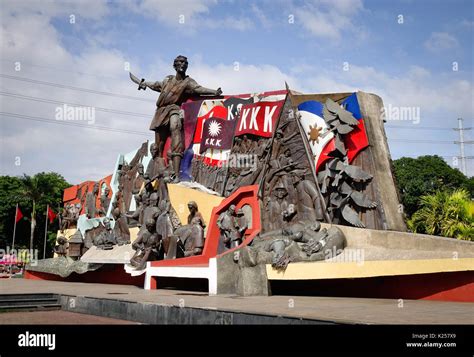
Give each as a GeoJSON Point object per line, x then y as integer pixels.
{"type": "Point", "coordinates": [219, 91]}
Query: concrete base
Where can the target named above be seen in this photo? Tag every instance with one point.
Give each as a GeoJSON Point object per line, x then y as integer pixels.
{"type": "Point", "coordinates": [184, 307]}
{"type": "Point", "coordinates": [117, 255]}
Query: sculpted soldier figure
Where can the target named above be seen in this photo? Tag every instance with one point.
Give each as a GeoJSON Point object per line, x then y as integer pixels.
{"type": "Point", "coordinates": [276, 206]}
{"type": "Point", "coordinates": [309, 204]}
{"type": "Point", "coordinates": [175, 90]}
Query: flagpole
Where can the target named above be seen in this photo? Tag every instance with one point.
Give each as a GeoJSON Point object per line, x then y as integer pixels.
{"type": "Point", "coordinates": [45, 231]}
{"type": "Point", "coordinates": [14, 233]}
{"type": "Point", "coordinates": [14, 227]}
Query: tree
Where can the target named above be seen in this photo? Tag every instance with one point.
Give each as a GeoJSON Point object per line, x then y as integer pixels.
{"type": "Point", "coordinates": [424, 176]}
{"type": "Point", "coordinates": [32, 193]}
{"type": "Point", "coordinates": [444, 213]}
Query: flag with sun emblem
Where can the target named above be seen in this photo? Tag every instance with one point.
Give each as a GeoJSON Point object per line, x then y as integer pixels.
{"type": "Point", "coordinates": [321, 140]}
{"type": "Point", "coordinates": [217, 134]}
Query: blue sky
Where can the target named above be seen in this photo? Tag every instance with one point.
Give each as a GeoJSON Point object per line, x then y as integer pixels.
{"type": "Point", "coordinates": [408, 65]}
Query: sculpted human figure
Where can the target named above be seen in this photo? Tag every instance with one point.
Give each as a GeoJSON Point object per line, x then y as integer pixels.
{"type": "Point", "coordinates": [191, 238]}
{"type": "Point", "coordinates": [309, 204]}
{"type": "Point", "coordinates": [121, 231]}
{"type": "Point", "coordinates": [156, 167]}
{"type": "Point", "coordinates": [150, 210]}
{"type": "Point", "coordinates": [61, 248]}
{"type": "Point", "coordinates": [69, 216]}
{"type": "Point", "coordinates": [194, 213]}
{"type": "Point", "coordinates": [164, 226]}
{"type": "Point", "coordinates": [139, 180]}
{"type": "Point", "coordinates": [106, 239]}
{"type": "Point", "coordinates": [231, 227]}
{"type": "Point", "coordinates": [104, 202]}
{"type": "Point", "coordinates": [167, 121]}
{"type": "Point", "coordinates": [91, 201]}
{"type": "Point", "coordinates": [138, 213]}
{"type": "Point", "coordinates": [276, 206]}
{"type": "Point", "coordinates": [146, 246]}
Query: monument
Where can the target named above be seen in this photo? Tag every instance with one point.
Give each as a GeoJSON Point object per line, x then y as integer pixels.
{"type": "Point", "coordinates": [245, 190]}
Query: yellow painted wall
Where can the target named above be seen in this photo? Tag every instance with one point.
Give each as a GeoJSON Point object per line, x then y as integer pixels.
{"type": "Point", "coordinates": [180, 196]}
{"type": "Point", "coordinates": [340, 270]}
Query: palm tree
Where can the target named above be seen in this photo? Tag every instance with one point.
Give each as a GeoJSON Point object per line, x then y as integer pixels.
{"type": "Point", "coordinates": [449, 214]}
{"type": "Point", "coordinates": [34, 190]}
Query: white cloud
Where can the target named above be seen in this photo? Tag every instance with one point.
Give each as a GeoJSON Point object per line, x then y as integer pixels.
{"type": "Point", "coordinates": [329, 19]}
{"type": "Point", "coordinates": [441, 41]}
{"type": "Point", "coordinates": [169, 11]}
{"type": "Point", "coordinates": [28, 37]}
{"type": "Point", "coordinates": [187, 15]}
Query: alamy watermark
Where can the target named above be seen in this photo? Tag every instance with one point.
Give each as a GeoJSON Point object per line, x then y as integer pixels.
{"type": "Point", "coordinates": [19, 256]}
{"type": "Point", "coordinates": [241, 161]}
{"type": "Point", "coordinates": [73, 113]}
{"type": "Point", "coordinates": [28, 339]}
{"type": "Point", "coordinates": [335, 255]}
{"type": "Point", "coordinates": [396, 113]}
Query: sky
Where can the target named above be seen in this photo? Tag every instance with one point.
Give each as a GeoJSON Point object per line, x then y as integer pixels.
{"type": "Point", "coordinates": [416, 55]}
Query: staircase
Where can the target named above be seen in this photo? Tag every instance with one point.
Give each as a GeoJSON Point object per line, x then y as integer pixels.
{"type": "Point", "coordinates": [29, 302]}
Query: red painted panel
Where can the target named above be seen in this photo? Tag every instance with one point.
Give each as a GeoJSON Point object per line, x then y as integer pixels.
{"type": "Point", "coordinates": [450, 286]}
{"type": "Point", "coordinates": [107, 274]}
{"type": "Point", "coordinates": [243, 196]}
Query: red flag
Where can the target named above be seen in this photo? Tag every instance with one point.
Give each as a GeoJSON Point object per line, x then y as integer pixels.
{"type": "Point", "coordinates": [51, 215]}
{"type": "Point", "coordinates": [19, 215]}
{"type": "Point", "coordinates": [259, 118]}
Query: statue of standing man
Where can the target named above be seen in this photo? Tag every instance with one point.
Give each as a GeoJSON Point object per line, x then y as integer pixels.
{"type": "Point", "coordinates": [168, 120]}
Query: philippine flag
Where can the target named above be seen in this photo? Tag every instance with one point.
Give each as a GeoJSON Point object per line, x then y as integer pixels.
{"type": "Point", "coordinates": [321, 140]}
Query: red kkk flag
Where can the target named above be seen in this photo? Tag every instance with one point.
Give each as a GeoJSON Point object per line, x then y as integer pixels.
{"type": "Point", "coordinates": [19, 215]}
{"type": "Point", "coordinates": [217, 134]}
{"type": "Point", "coordinates": [216, 112]}
{"type": "Point", "coordinates": [51, 215]}
{"type": "Point", "coordinates": [259, 118]}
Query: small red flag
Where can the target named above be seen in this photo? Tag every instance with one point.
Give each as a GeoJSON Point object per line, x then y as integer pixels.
{"type": "Point", "coordinates": [19, 215]}
{"type": "Point", "coordinates": [51, 215]}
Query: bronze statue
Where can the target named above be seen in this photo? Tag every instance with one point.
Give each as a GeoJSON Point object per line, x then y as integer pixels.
{"type": "Point", "coordinates": [91, 207]}
{"type": "Point", "coordinates": [121, 231]}
{"type": "Point", "coordinates": [61, 248]}
{"type": "Point", "coordinates": [194, 213]}
{"type": "Point", "coordinates": [150, 210]}
{"type": "Point", "coordinates": [175, 90]}
{"type": "Point", "coordinates": [309, 204]}
{"type": "Point", "coordinates": [137, 215]}
{"type": "Point", "coordinates": [147, 246]}
{"type": "Point", "coordinates": [191, 238]}
{"type": "Point", "coordinates": [139, 179]}
{"type": "Point", "coordinates": [276, 206]}
{"type": "Point", "coordinates": [231, 227]}
{"type": "Point", "coordinates": [164, 225]}
{"type": "Point", "coordinates": [69, 216]}
{"type": "Point", "coordinates": [104, 202]}
{"type": "Point", "coordinates": [106, 239]}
